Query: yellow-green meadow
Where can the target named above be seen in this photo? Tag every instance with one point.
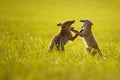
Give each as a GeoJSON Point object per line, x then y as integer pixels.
{"type": "Point", "coordinates": [28, 26]}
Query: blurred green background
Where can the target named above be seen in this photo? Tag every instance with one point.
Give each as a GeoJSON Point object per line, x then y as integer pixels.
{"type": "Point", "coordinates": [42, 10]}
{"type": "Point", "coordinates": [27, 27]}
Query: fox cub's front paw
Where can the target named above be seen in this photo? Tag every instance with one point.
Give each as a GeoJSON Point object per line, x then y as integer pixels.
{"type": "Point", "coordinates": [71, 28]}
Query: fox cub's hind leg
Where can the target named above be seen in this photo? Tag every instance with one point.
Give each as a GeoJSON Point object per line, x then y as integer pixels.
{"type": "Point", "coordinates": [88, 50]}
{"type": "Point", "coordinates": [93, 51]}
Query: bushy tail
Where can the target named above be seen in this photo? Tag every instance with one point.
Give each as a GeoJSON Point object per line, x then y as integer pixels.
{"type": "Point", "coordinates": [51, 46]}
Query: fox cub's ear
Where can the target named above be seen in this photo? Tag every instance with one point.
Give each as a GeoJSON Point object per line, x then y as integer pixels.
{"type": "Point", "coordinates": [59, 24]}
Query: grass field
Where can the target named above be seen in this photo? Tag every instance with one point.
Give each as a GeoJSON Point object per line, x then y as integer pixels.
{"type": "Point", "coordinates": [27, 27]}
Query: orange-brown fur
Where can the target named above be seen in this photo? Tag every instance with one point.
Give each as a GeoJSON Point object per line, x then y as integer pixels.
{"type": "Point", "coordinates": [63, 37]}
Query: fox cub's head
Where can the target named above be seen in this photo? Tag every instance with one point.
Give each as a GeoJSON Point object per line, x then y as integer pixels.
{"type": "Point", "coordinates": [86, 23]}
{"type": "Point", "coordinates": [66, 25]}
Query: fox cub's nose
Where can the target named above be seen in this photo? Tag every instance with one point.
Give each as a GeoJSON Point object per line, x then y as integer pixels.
{"type": "Point", "coordinates": [73, 21]}
{"type": "Point", "coordinates": [82, 20]}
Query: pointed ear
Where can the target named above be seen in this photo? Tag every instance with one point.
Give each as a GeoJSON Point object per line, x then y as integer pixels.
{"type": "Point", "coordinates": [59, 24]}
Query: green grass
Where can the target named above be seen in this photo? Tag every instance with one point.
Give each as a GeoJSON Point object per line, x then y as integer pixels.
{"type": "Point", "coordinates": [27, 27]}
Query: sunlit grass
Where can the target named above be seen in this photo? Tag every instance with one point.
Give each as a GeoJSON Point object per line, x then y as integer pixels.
{"type": "Point", "coordinates": [27, 27]}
